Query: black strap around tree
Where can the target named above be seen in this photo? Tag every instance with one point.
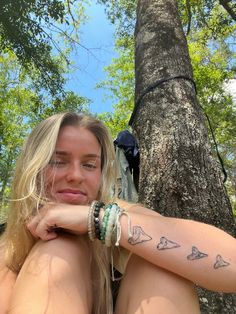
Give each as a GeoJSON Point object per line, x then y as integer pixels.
{"type": "Point", "coordinates": [152, 87]}
{"type": "Point", "coordinates": [158, 83]}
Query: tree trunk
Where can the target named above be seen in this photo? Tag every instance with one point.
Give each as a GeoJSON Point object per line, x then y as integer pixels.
{"type": "Point", "coordinates": [178, 175]}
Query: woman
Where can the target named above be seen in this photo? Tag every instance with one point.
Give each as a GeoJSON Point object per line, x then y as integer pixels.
{"type": "Point", "coordinates": [66, 163]}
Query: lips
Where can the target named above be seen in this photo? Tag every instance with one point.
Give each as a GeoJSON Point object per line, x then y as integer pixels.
{"type": "Point", "coordinates": [72, 196]}
{"type": "Point", "coordinates": [72, 191]}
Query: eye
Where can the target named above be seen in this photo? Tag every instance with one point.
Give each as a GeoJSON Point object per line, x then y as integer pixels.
{"type": "Point", "coordinates": [57, 162]}
{"type": "Point", "coordinates": [90, 165]}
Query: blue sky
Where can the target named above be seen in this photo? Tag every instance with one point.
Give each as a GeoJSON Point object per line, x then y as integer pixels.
{"type": "Point", "coordinates": [97, 37]}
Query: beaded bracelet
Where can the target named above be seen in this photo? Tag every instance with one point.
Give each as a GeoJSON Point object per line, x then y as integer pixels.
{"type": "Point", "coordinates": [113, 226]}
{"type": "Point", "coordinates": [110, 227]}
{"type": "Point", "coordinates": [93, 220]}
{"type": "Point", "coordinates": [91, 230]}
{"type": "Point", "coordinates": [97, 208]}
{"type": "Point", "coordinates": [104, 223]}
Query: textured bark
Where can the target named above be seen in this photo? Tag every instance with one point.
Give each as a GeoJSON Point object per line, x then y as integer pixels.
{"type": "Point", "coordinates": [178, 175]}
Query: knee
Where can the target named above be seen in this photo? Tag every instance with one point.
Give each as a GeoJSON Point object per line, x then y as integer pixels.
{"type": "Point", "coordinates": [55, 274]}
{"type": "Point", "coordinates": [63, 257]}
{"type": "Point", "coordinates": [153, 276]}
{"type": "Point", "coordinates": [144, 282]}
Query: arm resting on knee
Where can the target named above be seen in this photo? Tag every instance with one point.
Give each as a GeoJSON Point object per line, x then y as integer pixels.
{"type": "Point", "coordinates": [199, 252]}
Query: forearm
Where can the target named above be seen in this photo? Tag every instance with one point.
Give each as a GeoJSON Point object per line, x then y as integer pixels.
{"type": "Point", "coordinates": [199, 252]}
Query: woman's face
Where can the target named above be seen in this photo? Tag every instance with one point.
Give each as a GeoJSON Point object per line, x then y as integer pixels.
{"type": "Point", "coordinates": [73, 175]}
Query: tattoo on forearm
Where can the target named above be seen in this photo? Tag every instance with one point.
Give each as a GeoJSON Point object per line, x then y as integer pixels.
{"type": "Point", "coordinates": [220, 262]}
{"type": "Point", "coordinates": [165, 244]}
{"type": "Point", "coordinates": [196, 254]}
{"type": "Point", "coordinates": [138, 236]}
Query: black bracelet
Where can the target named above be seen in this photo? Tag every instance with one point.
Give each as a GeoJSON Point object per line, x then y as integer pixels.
{"type": "Point", "coordinates": [97, 207]}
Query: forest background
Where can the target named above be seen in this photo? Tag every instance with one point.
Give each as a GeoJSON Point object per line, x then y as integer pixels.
{"type": "Point", "coordinates": [39, 40]}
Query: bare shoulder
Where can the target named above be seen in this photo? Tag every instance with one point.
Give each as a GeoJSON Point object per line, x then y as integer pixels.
{"type": "Point", "coordinates": [7, 281]}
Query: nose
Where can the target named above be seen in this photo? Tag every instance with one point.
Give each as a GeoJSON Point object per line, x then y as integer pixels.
{"type": "Point", "coordinates": [75, 173]}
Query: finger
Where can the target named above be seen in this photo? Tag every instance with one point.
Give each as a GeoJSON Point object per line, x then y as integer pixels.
{"type": "Point", "coordinates": [32, 225]}
{"type": "Point", "coordinates": [46, 231]}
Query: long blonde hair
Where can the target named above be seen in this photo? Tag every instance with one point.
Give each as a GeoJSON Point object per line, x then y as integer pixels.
{"type": "Point", "coordinates": [28, 193]}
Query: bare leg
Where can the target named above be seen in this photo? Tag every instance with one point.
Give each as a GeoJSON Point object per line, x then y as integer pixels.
{"type": "Point", "coordinates": [148, 289]}
{"type": "Point", "coordinates": [55, 278]}
{"type": "Point", "coordinates": [7, 282]}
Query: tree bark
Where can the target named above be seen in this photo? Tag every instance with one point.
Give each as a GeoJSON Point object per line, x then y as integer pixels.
{"type": "Point", "coordinates": [178, 174]}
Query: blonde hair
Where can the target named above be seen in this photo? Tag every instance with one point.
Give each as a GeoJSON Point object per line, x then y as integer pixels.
{"type": "Point", "coordinates": [28, 193]}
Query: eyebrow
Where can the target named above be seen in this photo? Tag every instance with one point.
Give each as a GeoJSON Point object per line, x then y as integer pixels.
{"type": "Point", "coordinates": [65, 153]}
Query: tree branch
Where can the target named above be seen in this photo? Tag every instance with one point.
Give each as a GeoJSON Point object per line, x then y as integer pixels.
{"type": "Point", "coordinates": [188, 7]}
{"type": "Point", "coordinates": [228, 8]}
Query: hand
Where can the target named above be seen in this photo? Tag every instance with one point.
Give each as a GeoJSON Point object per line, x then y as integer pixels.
{"type": "Point", "coordinates": [54, 217]}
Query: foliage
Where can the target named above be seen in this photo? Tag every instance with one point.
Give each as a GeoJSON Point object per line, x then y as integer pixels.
{"type": "Point", "coordinates": [196, 14]}
{"type": "Point", "coordinates": [120, 83]}
{"type": "Point", "coordinates": [30, 28]}
{"type": "Point", "coordinates": [212, 56]}
{"type": "Point", "coordinates": [121, 13]}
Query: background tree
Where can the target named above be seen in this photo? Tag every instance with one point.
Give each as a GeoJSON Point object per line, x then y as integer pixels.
{"type": "Point", "coordinates": [171, 130]}
{"type": "Point", "coordinates": [211, 43]}
{"type": "Point", "coordinates": [169, 122]}
{"type": "Point", "coordinates": [179, 176]}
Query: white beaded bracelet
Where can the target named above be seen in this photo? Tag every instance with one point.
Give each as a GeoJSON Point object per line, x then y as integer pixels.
{"type": "Point", "coordinates": [111, 224]}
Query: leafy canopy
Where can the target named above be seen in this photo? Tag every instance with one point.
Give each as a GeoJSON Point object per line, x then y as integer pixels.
{"type": "Point", "coordinates": [30, 28]}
